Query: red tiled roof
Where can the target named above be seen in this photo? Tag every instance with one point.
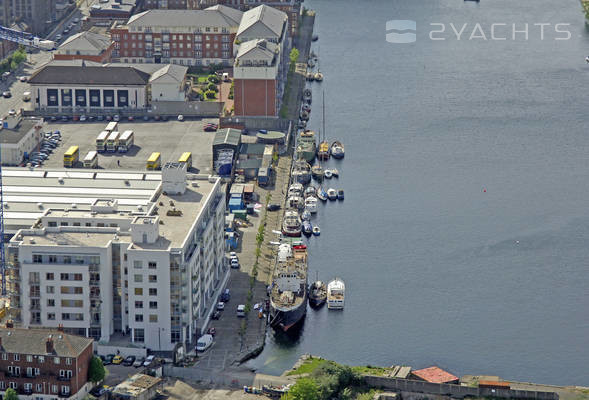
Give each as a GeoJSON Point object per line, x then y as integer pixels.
{"type": "Point", "coordinates": [434, 375]}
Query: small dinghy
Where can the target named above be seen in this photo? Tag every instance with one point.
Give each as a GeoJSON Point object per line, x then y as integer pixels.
{"type": "Point", "coordinates": [331, 194]}
{"type": "Point", "coordinates": [321, 194]}
{"type": "Point", "coordinates": [328, 174]}
{"type": "Point", "coordinates": [337, 150]}
{"type": "Point", "coordinates": [318, 76]}
{"type": "Point", "coordinates": [310, 76]}
{"type": "Point", "coordinates": [340, 194]}
{"type": "Point", "coordinates": [316, 231]}
{"type": "Point", "coordinates": [317, 172]}
{"type": "Point", "coordinates": [310, 191]}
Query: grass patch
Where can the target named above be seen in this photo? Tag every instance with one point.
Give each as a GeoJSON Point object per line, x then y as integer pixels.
{"type": "Point", "coordinates": [308, 366]}
{"type": "Point", "coordinates": [370, 370]}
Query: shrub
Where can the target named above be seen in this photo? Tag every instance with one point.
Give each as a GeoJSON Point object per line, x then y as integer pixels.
{"type": "Point", "coordinates": [213, 87]}
{"type": "Point", "coordinates": [213, 78]}
{"type": "Point", "coordinates": [209, 94]}
{"type": "Point", "coordinates": [96, 371]}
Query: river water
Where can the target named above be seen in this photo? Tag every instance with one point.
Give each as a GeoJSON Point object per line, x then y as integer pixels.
{"type": "Point", "coordinates": [464, 236]}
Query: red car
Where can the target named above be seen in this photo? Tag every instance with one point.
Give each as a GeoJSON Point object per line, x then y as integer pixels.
{"type": "Point", "coordinates": [212, 331]}
{"type": "Point", "coordinates": [210, 127]}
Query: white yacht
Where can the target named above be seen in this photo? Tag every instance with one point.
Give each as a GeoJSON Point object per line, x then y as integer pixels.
{"type": "Point", "coordinates": [311, 204]}
{"type": "Point", "coordinates": [336, 290]}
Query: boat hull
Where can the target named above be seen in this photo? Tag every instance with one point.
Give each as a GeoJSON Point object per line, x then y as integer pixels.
{"type": "Point", "coordinates": [285, 319]}
{"type": "Point", "coordinates": [339, 156]}
{"type": "Point", "coordinates": [316, 302]}
{"type": "Point", "coordinates": [307, 154]}
{"type": "Point", "coordinates": [291, 233]}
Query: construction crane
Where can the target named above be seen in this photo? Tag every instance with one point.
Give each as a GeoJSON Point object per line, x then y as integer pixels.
{"type": "Point", "coordinates": [26, 39]}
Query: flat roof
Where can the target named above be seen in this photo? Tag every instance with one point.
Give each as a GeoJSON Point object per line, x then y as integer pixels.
{"type": "Point", "coordinates": [137, 384]}
{"type": "Point", "coordinates": [227, 136]}
{"type": "Point", "coordinates": [66, 238]}
{"type": "Point", "coordinates": [89, 75]}
{"type": "Point", "coordinates": [435, 375]}
{"type": "Point", "coordinates": [13, 136]}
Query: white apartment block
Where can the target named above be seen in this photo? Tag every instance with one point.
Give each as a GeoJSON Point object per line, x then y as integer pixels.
{"type": "Point", "coordinates": [153, 269]}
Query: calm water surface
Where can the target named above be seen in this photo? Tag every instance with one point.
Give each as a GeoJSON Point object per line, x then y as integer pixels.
{"type": "Point", "coordinates": [464, 236]}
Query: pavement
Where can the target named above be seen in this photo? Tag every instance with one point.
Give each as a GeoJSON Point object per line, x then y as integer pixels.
{"type": "Point", "coordinates": [170, 138]}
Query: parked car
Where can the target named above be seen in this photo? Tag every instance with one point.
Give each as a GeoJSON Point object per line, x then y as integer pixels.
{"type": "Point", "coordinates": [82, 118]}
{"type": "Point", "coordinates": [164, 118]}
{"type": "Point", "coordinates": [6, 94]}
{"type": "Point", "coordinates": [139, 362]}
{"type": "Point", "coordinates": [130, 118]}
{"type": "Point", "coordinates": [273, 207]}
{"type": "Point", "coordinates": [66, 31]}
{"type": "Point", "coordinates": [100, 118]}
{"type": "Point", "coordinates": [76, 118]}
{"type": "Point", "coordinates": [204, 342]}
{"type": "Point", "coordinates": [130, 360]}
{"type": "Point", "coordinates": [117, 359]}
{"type": "Point", "coordinates": [53, 118]}
{"type": "Point", "coordinates": [216, 315]}
{"type": "Point", "coordinates": [22, 78]}
{"type": "Point", "coordinates": [180, 117]}
{"type": "Point", "coordinates": [58, 37]}
{"type": "Point", "coordinates": [108, 359]}
{"type": "Point", "coordinates": [220, 306]}
{"type": "Point", "coordinates": [108, 118]}
{"type": "Point", "coordinates": [116, 118]}
{"type": "Point", "coordinates": [210, 128]}
{"type": "Point", "coordinates": [76, 20]}
{"type": "Point", "coordinates": [225, 296]}
{"type": "Point", "coordinates": [99, 391]}
{"type": "Point", "coordinates": [148, 361]}
{"type": "Point", "coordinates": [64, 118]}
{"type": "Point", "coordinates": [211, 331]}
{"type": "Point", "coordinates": [146, 117]}
{"type": "Point", "coordinates": [234, 263]}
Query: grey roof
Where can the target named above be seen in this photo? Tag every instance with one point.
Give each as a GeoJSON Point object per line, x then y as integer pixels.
{"type": "Point", "coordinates": [268, 19]}
{"type": "Point", "coordinates": [227, 136]}
{"type": "Point", "coordinates": [89, 75]}
{"type": "Point", "coordinates": [256, 149]}
{"type": "Point", "coordinates": [73, 63]}
{"type": "Point", "coordinates": [176, 72]}
{"type": "Point", "coordinates": [170, 18]}
{"type": "Point", "coordinates": [33, 341]}
{"type": "Point", "coordinates": [258, 50]}
{"type": "Point", "coordinates": [232, 13]}
{"type": "Point", "coordinates": [13, 136]}
{"type": "Point", "coordinates": [86, 41]}
{"type": "Point", "coordinates": [252, 163]}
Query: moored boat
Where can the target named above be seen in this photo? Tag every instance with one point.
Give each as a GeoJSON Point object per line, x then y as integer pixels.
{"type": "Point", "coordinates": [306, 146]}
{"type": "Point", "coordinates": [316, 230]}
{"type": "Point", "coordinates": [318, 76]}
{"type": "Point", "coordinates": [304, 115]}
{"type": "Point", "coordinates": [328, 174]}
{"type": "Point", "coordinates": [288, 295]}
{"type": "Point", "coordinates": [296, 189]}
{"type": "Point", "coordinates": [311, 204]}
{"type": "Point", "coordinates": [306, 215]}
{"type": "Point", "coordinates": [296, 202]}
{"type": "Point", "coordinates": [291, 224]}
{"type": "Point", "coordinates": [307, 228]}
{"type": "Point", "coordinates": [307, 94]}
{"type": "Point", "coordinates": [331, 194]}
{"type": "Point", "coordinates": [317, 294]}
{"type": "Point", "coordinates": [317, 172]}
{"type": "Point", "coordinates": [321, 194]}
{"type": "Point", "coordinates": [336, 290]}
{"type": "Point", "coordinates": [340, 194]}
{"type": "Point", "coordinates": [323, 152]}
{"type": "Point", "coordinates": [310, 191]}
{"type": "Point", "coordinates": [302, 172]}
{"type": "Point", "coordinates": [310, 76]}
{"type": "Point", "coordinates": [311, 63]}
{"type": "Point", "coordinates": [337, 150]}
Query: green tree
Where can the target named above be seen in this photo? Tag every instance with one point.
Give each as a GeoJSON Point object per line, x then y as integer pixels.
{"type": "Point", "coordinates": [213, 78]}
{"type": "Point", "coordinates": [96, 371]}
{"type": "Point", "coordinates": [10, 394]}
{"type": "Point", "coordinates": [209, 94]}
{"type": "Point", "coordinates": [304, 389]}
{"type": "Point", "coordinates": [294, 55]}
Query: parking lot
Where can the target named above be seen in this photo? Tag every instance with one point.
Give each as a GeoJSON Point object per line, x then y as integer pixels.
{"type": "Point", "coordinates": [170, 138]}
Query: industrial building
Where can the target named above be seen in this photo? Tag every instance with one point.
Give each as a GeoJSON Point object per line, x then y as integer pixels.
{"type": "Point", "coordinates": [107, 253]}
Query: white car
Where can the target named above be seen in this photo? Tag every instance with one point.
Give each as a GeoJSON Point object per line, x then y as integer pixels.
{"type": "Point", "coordinates": [234, 263]}
{"type": "Point", "coordinates": [232, 254]}
{"type": "Point", "coordinates": [204, 342]}
{"type": "Point", "coordinates": [76, 20]}
{"type": "Point", "coordinates": [148, 361]}
{"type": "Point", "coordinates": [58, 37]}
{"type": "Point", "coordinates": [220, 306]}
{"type": "Point", "coordinates": [180, 117]}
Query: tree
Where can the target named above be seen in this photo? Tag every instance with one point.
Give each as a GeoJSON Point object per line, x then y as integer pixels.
{"type": "Point", "coordinates": [96, 371]}
{"type": "Point", "coordinates": [10, 394]}
{"type": "Point", "coordinates": [304, 389]}
{"type": "Point", "coordinates": [294, 55]}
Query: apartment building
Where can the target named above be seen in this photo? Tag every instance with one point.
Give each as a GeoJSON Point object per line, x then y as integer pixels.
{"type": "Point", "coordinates": [37, 14]}
{"type": "Point", "coordinates": [44, 364]}
{"type": "Point", "coordinates": [193, 37]}
{"type": "Point", "coordinates": [261, 62]}
{"type": "Point", "coordinates": [149, 260]}
{"type": "Point", "coordinates": [85, 45]}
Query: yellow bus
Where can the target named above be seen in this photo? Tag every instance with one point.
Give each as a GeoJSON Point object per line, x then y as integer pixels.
{"type": "Point", "coordinates": [70, 157]}
{"type": "Point", "coordinates": [154, 161]}
{"type": "Point", "coordinates": [186, 158]}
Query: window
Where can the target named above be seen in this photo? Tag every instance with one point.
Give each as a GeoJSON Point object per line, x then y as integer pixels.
{"type": "Point", "coordinates": [67, 259]}
{"type": "Point", "coordinates": [29, 358]}
{"type": "Point", "coordinates": [51, 316]}
{"type": "Point", "coordinates": [39, 387]}
{"type": "Point", "coordinates": [152, 265]}
{"type": "Point", "coordinates": [138, 317]}
{"type": "Point", "coordinates": [2, 385]}
{"type": "Point", "coordinates": [152, 278]}
{"type": "Point", "coordinates": [60, 224]}
{"type": "Point", "coordinates": [153, 291]}
{"type": "Point", "coordinates": [138, 335]}
{"type": "Point", "coordinates": [50, 302]}
{"type": "Point", "coordinates": [138, 264]}
{"type": "Point", "coordinates": [153, 305]}
{"type": "Point", "coordinates": [56, 360]}
{"type": "Point", "coordinates": [4, 356]}
{"type": "Point", "coordinates": [37, 372]}
{"type": "Point", "coordinates": [139, 291]}
{"type": "Point", "coordinates": [68, 361]}
{"type": "Point", "coordinates": [29, 371]}
{"type": "Point", "coordinates": [65, 390]}
{"type": "Point", "coordinates": [41, 359]}
{"type": "Point", "coordinates": [37, 258]}
{"type": "Point", "coordinates": [138, 304]}
{"type": "Point", "coordinates": [72, 303]}
{"type": "Point", "coordinates": [12, 385]}
{"type": "Point", "coordinates": [16, 357]}
{"type": "Point", "coordinates": [152, 317]}
{"type": "Point", "coordinates": [72, 290]}
{"type": "Point", "coordinates": [175, 336]}
{"type": "Point", "coordinates": [52, 258]}
{"type": "Point", "coordinates": [50, 289]}
{"type": "Point", "coordinates": [54, 388]}
{"type": "Point", "coordinates": [52, 224]}
{"type": "Point", "coordinates": [138, 278]}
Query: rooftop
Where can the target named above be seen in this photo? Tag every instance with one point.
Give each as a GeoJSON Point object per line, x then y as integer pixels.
{"type": "Point", "coordinates": [104, 75]}
{"type": "Point", "coordinates": [13, 136]}
{"type": "Point", "coordinates": [435, 375]}
{"type": "Point", "coordinates": [262, 22]}
{"type": "Point", "coordinates": [85, 42]}
{"type": "Point", "coordinates": [227, 136]}
{"type": "Point", "coordinates": [33, 341]}
{"type": "Point", "coordinates": [256, 51]}
{"type": "Point", "coordinates": [136, 385]}
{"type": "Point", "coordinates": [184, 18]}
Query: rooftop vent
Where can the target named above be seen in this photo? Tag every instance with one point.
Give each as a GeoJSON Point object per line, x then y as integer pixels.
{"type": "Point", "coordinates": [74, 205]}
{"type": "Point", "coordinates": [60, 179]}
{"type": "Point", "coordinates": [40, 205]}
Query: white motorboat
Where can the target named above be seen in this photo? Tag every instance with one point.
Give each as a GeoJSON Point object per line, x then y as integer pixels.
{"type": "Point", "coordinates": [318, 76]}
{"type": "Point", "coordinates": [337, 150]}
{"type": "Point", "coordinates": [311, 204]}
{"type": "Point", "coordinates": [291, 225]}
{"type": "Point", "coordinates": [310, 191]}
{"type": "Point", "coordinates": [306, 215]}
{"type": "Point", "coordinates": [296, 202]}
{"type": "Point", "coordinates": [587, 59]}
{"type": "Point", "coordinates": [332, 194]}
{"type": "Point", "coordinates": [316, 230]}
{"type": "Point", "coordinates": [296, 189]}
{"type": "Point", "coordinates": [321, 194]}
{"type": "Point", "coordinates": [336, 291]}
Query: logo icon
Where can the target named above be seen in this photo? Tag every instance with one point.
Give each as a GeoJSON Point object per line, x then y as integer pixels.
{"type": "Point", "coordinates": [404, 31]}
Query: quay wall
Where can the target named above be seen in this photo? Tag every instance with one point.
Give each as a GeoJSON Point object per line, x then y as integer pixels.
{"type": "Point", "coordinates": [457, 391]}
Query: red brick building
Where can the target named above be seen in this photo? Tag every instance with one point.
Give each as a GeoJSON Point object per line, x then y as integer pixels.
{"type": "Point", "coordinates": [87, 46]}
{"type": "Point", "coordinates": [185, 37]}
{"type": "Point", "coordinates": [45, 364]}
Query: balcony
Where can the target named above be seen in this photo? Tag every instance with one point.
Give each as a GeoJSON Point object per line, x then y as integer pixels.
{"type": "Point", "coordinates": [35, 293]}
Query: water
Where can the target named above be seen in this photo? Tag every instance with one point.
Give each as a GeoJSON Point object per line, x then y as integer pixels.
{"type": "Point", "coordinates": [463, 236]}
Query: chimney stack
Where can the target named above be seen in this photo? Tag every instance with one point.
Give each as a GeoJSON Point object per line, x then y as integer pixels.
{"type": "Point", "coordinates": [49, 346]}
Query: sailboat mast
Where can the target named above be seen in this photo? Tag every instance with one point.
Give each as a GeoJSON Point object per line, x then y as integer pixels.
{"type": "Point", "coordinates": [324, 136]}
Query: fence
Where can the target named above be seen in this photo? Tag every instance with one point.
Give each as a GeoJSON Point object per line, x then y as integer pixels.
{"type": "Point", "coordinates": [407, 385]}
